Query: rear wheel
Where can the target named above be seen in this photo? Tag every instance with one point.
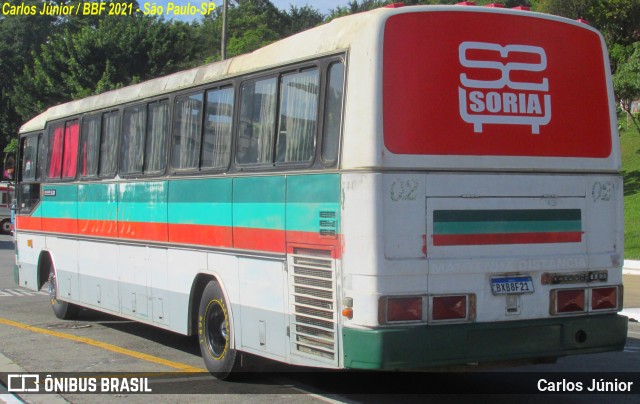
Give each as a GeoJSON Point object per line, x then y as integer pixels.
{"type": "Point", "coordinates": [215, 333]}
{"type": "Point", "coordinates": [62, 310]}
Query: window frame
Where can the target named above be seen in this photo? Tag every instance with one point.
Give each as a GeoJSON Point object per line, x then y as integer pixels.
{"type": "Point", "coordinates": [145, 104]}
{"type": "Point", "coordinates": [86, 117]}
{"type": "Point", "coordinates": [325, 85]}
{"type": "Point", "coordinates": [47, 135]}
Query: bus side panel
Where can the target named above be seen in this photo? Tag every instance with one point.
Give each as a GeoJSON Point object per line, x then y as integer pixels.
{"type": "Point", "coordinates": [29, 247]}
{"type": "Point", "coordinates": [200, 212]}
{"type": "Point", "coordinates": [98, 210]}
{"type": "Point", "coordinates": [60, 209]}
{"type": "Point", "coordinates": [259, 213]}
{"type": "Point", "coordinates": [142, 211]}
{"type": "Point", "coordinates": [98, 275]}
{"type": "Point", "coordinates": [313, 210]}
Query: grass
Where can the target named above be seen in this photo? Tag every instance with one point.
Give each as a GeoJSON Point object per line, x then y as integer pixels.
{"type": "Point", "coordinates": [630, 144]}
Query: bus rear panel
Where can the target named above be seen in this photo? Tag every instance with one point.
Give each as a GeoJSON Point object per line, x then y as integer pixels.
{"type": "Point", "coordinates": [496, 205]}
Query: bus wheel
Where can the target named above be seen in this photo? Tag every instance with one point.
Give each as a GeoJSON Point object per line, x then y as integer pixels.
{"type": "Point", "coordinates": [5, 226]}
{"type": "Point", "coordinates": [215, 333]}
{"type": "Point", "coordinates": [62, 310]}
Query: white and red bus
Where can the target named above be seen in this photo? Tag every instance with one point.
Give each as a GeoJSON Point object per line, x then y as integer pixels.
{"type": "Point", "coordinates": [396, 189]}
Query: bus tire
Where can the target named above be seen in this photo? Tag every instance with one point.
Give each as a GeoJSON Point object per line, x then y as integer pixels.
{"type": "Point", "coordinates": [62, 310]}
{"type": "Point", "coordinates": [215, 333]}
{"type": "Point", "coordinates": [5, 226]}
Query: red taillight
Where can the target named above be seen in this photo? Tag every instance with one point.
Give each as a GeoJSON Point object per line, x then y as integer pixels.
{"type": "Point", "coordinates": [604, 298]}
{"type": "Point", "coordinates": [569, 300]}
{"type": "Point", "coordinates": [449, 307]}
{"type": "Point", "coordinates": [522, 8]}
{"type": "Point", "coordinates": [466, 3]}
{"type": "Point", "coordinates": [495, 5]}
{"type": "Point", "coordinates": [394, 5]}
{"type": "Point", "coordinates": [396, 309]}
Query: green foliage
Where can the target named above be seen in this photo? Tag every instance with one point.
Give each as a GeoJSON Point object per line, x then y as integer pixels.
{"type": "Point", "coordinates": [630, 145]}
{"type": "Point", "coordinates": [93, 59]}
{"type": "Point", "coordinates": [11, 147]}
{"type": "Point", "coordinates": [618, 20]}
{"type": "Point", "coordinates": [626, 80]}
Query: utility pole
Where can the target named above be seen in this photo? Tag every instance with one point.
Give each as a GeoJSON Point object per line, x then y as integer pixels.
{"type": "Point", "coordinates": [223, 48]}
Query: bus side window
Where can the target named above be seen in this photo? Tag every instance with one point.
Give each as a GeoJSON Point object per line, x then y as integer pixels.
{"type": "Point", "coordinates": [257, 122]}
{"type": "Point", "coordinates": [90, 146]}
{"type": "Point", "coordinates": [55, 138]}
{"type": "Point", "coordinates": [133, 132]}
{"type": "Point", "coordinates": [29, 154]}
{"type": "Point", "coordinates": [70, 152]}
{"type": "Point", "coordinates": [333, 113]}
{"type": "Point", "coordinates": [155, 156]}
{"type": "Point", "coordinates": [108, 144]}
{"type": "Point", "coordinates": [216, 146]}
{"type": "Point", "coordinates": [187, 126]}
{"type": "Point", "coordinates": [298, 117]}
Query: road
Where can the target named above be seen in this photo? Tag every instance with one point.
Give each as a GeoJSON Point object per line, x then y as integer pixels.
{"type": "Point", "coordinates": [33, 340]}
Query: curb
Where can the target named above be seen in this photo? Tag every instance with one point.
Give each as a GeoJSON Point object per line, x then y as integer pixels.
{"type": "Point", "coordinates": [631, 267]}
{"type": "Point", "coordinates": [8, 366]}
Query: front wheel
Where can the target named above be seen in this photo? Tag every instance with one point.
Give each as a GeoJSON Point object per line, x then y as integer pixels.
{"type": "Point", "coordinates": [215, 333]}
{"type": "Point", "coordinates": [62, 310]}
{"type": "Point", "coordinates": [5, 226]}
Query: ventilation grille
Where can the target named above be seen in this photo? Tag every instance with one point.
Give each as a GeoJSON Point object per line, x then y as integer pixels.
{"type": "Point", "coordinates": [327, 223]}
{"type": "Point", "coordinates": [313, 304]}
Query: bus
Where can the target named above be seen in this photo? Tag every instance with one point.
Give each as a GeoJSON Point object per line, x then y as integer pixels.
{"type": "Point", "coordinates": [6, 196]}
{"type": "Point", "coordinates": [398, 189]}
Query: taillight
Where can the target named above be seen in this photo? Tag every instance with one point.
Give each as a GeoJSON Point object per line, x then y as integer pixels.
{"type": "Point", "coordinates": [604, 298]}
{"type": "Point", "coordinates": [400, 309]}
{"type": "Point", "coordinates": [453, 307]}
{"type": "Point", "coordinates": [567, 301]}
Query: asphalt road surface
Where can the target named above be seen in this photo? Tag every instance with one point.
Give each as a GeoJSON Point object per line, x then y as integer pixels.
{"type": "Point", "coordinates": [33, 340]}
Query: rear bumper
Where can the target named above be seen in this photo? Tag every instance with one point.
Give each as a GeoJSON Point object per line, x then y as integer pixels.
{"type": "Point", "coordinates": [429, 345]}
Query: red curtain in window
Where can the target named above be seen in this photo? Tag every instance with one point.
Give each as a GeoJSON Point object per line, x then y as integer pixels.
{"type": "Point", "coordinates": [56, 152]}
{"type": "Point", "coordinates": [69, 165]}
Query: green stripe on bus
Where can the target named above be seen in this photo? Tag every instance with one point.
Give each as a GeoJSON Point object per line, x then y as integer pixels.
{"type": "Point", "coordinates": [506, 215]}
{"type": "Point", "coordinates": [60, 193]}
{"type": "Point", "coordinates": [313, 188]}
{"type": "Point", "coordinates": [216, 190]}
{"type": "Point", "coordinates": [154, 192]}
{"type": "Point", "coordinates": [306, 216]}
{"type": "Point", "coordinates": [259, 190]}
{"type": "Point", "coordinates": [259, 215]}
{"type": "Point", "coordinates": [507, 227]}
{"type": "Point", "coordinates": [99, 193]}
{"type": "Point", "coordinates": [212, 214]}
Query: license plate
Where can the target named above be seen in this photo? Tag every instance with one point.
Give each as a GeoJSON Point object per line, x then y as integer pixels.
{"type": "Point", "coordinates": [510, 285]}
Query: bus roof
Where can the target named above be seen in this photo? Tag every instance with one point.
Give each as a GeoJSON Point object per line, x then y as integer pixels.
{"type": "Point", "coordinates": [328, 38]}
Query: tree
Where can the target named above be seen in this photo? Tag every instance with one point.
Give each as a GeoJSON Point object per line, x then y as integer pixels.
{"type": "Point", "coordinates": [626, 82]}
{"type": "Point", "coordinates": [118, 52]}
{"type": "Point", "coordinates": [21, 35]}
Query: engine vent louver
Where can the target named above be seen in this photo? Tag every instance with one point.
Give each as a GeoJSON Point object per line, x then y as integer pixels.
{"type": "Point", "coordinates": [312, 282]}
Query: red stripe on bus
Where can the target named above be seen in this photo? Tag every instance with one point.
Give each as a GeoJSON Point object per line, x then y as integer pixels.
{"type": "Point", "coordinates": [68, 226]}
{"type": "Point", "coordinates": [28, 223]}
{"type": "Point", "coordinates": [215, 236]}
{"type": "Point", "coordinates": [98, 228]}
{"type": "Point", "coordinates": [210, 236]}
{"type": "Point", "coordinates": [506, 238]}
{"type": "Point", "coordinates": [259, 239]}
{"type": "Point", "coordinates": [149, 231]}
